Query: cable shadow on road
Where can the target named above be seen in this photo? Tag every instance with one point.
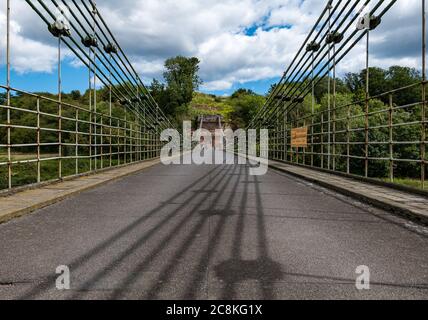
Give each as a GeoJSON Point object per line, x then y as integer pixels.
{"type": "Point", "coordinates": [191, 292]}
{"type": "Point", "coordinates": [237, 270]}
{"type": "Point", "coordinates": [49, 283]}
{"type": "Point", "coordinates": [347, 281]}
{"type": "Point", "coordinates": [146, 262]}
{"type": "Point", "coordinates": [167, 272]}
{"type": "Point", "coordinates": [163, 244]}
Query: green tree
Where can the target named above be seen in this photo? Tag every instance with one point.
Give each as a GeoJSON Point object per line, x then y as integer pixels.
{"type": "Point", "coordinates": [382, 81]}
{"type": "Point", "coordinates": [75, 95]}
{"type": "Point", "coordinates": [161, 95]}
{"type": "Point", "coordinates": [245, 104]}
{"type": "Point", "coordinates": [242, 92]}
{"type": "Point", "coordinates": [181, 81]}
{"type": "Point", "coordinates": [182, 78]}
{"type": "Point", "coordinates": [402, 77]}
{"type": "Point", "coordinates": [2, 98]}
{"type": "Point", "coordinates": [321, 88]}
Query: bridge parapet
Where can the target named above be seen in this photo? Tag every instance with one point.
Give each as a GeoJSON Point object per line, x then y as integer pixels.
{"type": "Point", "coordinates": [380, 135]}
{"type": "Point", "coordinates": [47, 137]}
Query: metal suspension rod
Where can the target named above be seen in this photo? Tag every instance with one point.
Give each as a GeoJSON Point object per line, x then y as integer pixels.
{"type": "Point", "coordinates": [342, 47]}
{"type": "Point", "coordinates": [367, 93]}
{"type": "Point", "coordinates": [60, 151]}
{"type": "Point", "coordinates": [286, 76]}
{"type": "Point", "coordinates": [301, 72]}
{"type": "Point", "coordinates": [9, 154]}
{"type": "Point", "coordinates": [299, 52]}
{"type": "Point", "coordinates": [95, 67]}
{"type": "Point", "coordinates": [299, 82]}
{"type": "Point", "coordinates": [329, 97]}
{"type": "Point", "coordinates": [138, 81]}
{"type": "Point", "coordinates": [94, 52]}
{"type": "Point", "coordinates": [424, 104]}
{"type": "Point", "coordinates": [117, 94]}
{"type": "Point", "coordinates": [129, 63]}
{"type": "Point", "coordinates": [292, 80]}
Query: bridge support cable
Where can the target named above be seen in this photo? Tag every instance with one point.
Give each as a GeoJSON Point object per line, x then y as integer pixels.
{"type": "Point", "coordinates": [278, 89]}
{"type": "Point", "coordinates": [127, 64]}
{"type": "Point", "coordinates": [125, 95]}
{"type": "Point", "coordinates": [290, 74]}
{"type": "Point", "coordinates": [155, 119]}
{"type": "Point", "coordinates": [60, 152]}
{"type": "Point", "coordinates": [296, 77]}
{"type": "Point", "coordinates": [424, 103]}
{"type": "Point", "coordinates": [74, 139]}
{"type": "Point", "coordinates": [151, 101]}
{"type": "Point", "coordinates": [345, 137]}
{"type": "Point", "coordinates": [122, 73]}
{"type": "Point", "coordinates": [300, 87]}
{"type": "Point", "coordinates": [8, 96]}
{"type": "Point", "coordinates": [92, 66]}
{"type": "Point", "coordinates": [102, 57]}
{"type": "Point", "coordinates": [324, 70]}
{"type": "Point", "coordinates": [122, 58]}
{"type": "Point", "coordinates": [300, 77]}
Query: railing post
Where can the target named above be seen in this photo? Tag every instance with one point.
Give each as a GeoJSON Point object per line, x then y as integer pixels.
{"type": "Point", "coordinates": [334, 107]}
{"type": "Point", "coordinates": [110, 114]}
{"type": "Point", "coordinates": [322, 140]}
{"type": "Point", "coordinates": [39, 179]}
{"type": "Point", "coordinates": [423, 108]}
{"type": "Point", "coordinates": [286, 136]}
{"type": "Point", "coordinates": [391, 138]}
{"type": "Point", "coordinates": [138, 141]}
{"type": "Point", "coordinates": [329, 95]}
{"type": "Point", "coordinates": [90, 111]}
{"type": "Point", "coordinates": [59, 110]}
{"type": "Point", "coordinates": [304, 149]}
{"type": "Point", "coordinates": [95, 89]}
{"type": "Point", "coordinates": [145, 131]}
{"type": "Point", "coordinates": [102, 141]}
{"type": "Point", "coordinates": [367, 138]}
{"type": "Point", "coordinates": [118, 142]}
{"type": "Point", "coordinates": [131, 133]}
{"type": "Point", "coordinates": [348, 141]}
{"type": "Point", "coordinates": [76, 151]}
{"type": "Point", "coordinates": [125, 142]}
{"type": "Point", "coordinates": [312, 112]}
{"type": "Point", "coordinates": [9, 151]}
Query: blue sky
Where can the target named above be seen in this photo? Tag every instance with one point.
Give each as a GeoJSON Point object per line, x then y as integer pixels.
{"type": "Point", "coordinates": [73, 79]}
{"type": "Point", "coordinates": [241, 43]}
{"type": "Point", "coordinates": [76, 78]}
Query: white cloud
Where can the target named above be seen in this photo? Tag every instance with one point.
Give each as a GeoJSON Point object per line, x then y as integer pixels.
{"type": "Point", "coordinates": [217, 85]}
{"type": "Point", "coordinates": [151, 31]}
{"type": "Point", "coordinates": [27, 55]}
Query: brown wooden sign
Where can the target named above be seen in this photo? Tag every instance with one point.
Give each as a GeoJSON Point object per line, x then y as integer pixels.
{"type": "Point", "coordinates": [299, 137]}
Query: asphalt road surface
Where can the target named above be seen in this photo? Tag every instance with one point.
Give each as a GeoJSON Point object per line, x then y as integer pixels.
{"type": "Point", "coordinates": [212, 232]}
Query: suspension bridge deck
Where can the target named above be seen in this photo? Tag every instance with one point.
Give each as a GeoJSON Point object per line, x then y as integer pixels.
{"type": "Point", "coordinates": [210, 232]}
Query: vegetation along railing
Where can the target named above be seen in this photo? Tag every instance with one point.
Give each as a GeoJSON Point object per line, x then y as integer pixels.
{"type": "Point", "coordinates": [387, 140]}
{"type": "Point", "coordinates": [372, 124]}
{"type": "Point", "coordinates": [47, 136]}
{"type": "Point", "coordinates": [43, 139]}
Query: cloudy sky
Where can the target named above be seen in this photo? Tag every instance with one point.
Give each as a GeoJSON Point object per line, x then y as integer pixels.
{"type": "Point", "coordinates": [241, 43]}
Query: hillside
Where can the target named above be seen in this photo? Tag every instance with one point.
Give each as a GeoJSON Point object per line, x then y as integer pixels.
{"type": "Point", "coordinates": [237, 109]}
{"type": "Point", "coordinates": [205, 104]}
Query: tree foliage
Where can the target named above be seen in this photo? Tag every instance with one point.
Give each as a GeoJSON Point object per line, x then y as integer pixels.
{"type": "Point", "coordinates": [181, 81]}
{"type": "Point", "coordinates": [245, 104]}
{"type": "Point", "coordinates": [351, 93]}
